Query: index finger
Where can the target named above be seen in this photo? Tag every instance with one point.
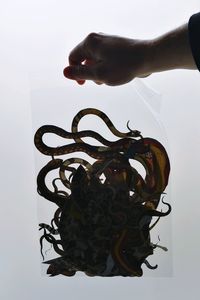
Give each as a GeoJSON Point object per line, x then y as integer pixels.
{"type": "Point", "coordinates": [78, 55]}
{"type": "Point", "coordinates": [85, 49]}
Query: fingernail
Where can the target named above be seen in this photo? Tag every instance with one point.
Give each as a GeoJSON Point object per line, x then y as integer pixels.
{"type": "Point", "coordinates": [67, 72]}
{"type": "Point", "coordinates": [81, 82]}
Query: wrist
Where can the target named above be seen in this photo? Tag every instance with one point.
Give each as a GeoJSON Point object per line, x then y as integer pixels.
{"type": "Point", "coordinates": [148, 66]}
{"type": "Point", "coordinates": [171, 51]}
{"type": "Point", "coordinates": [142, 55]}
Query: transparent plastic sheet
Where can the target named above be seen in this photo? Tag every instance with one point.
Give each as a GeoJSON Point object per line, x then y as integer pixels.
{"type": "Point", "coordinates": [135, 102]}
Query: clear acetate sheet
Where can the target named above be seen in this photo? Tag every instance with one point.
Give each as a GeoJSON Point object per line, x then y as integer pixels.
{"type": "Point", "coordinates": [57, 106]}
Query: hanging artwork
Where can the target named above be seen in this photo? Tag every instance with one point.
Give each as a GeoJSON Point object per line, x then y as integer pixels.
{"type": "Point", "coordinates": [105, 208]}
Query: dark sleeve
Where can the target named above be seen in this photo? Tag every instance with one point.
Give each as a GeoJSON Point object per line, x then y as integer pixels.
{"type": "Point", "coordinates": [194, 37]}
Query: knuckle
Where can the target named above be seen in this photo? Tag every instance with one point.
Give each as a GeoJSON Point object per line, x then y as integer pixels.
{"type": "Point", "coordinates": [98, 82]}
{"type": "Point", "coordinates": [92, 35]}
{"type": "Point", "coordinates": [92, 40]}
{"type": "Point", "coordinates": [110, 83]}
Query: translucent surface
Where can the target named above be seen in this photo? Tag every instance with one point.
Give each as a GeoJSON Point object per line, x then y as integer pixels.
{"type": "Point", "coordinates": [36, 37]}
{"type": "Point", "coordinates": [139, 104]}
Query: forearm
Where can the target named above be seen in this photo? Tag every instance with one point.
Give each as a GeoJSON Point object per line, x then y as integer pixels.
{"type": "Point", "coordinates": [170, 51]}
{"type": "Point", "coordinates": [115, 60]}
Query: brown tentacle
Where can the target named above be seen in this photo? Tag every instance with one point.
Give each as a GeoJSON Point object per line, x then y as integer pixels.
{"type": "Point", "coordinates": [89, 149]}
{"type": "Point", "coordinates": [42, 188]}
{"type": "Point", "coordinates": [153, 213]}
{"type": "Point", "coordinates": [56, 218]}
{"type": "Point", "coordinates": [150, 266]}
{"type": "Point", "coordinates": [157, 166]}
{"type": "Point", "coordinates": [65, 167]}
{"type": "Point", "coordinates": [107, 121]}
{"type": "Point", "coordinates": [52, 241]}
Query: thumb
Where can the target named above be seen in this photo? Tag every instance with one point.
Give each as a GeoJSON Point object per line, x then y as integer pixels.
{"type": "Point", "coordinates": [80, 72]}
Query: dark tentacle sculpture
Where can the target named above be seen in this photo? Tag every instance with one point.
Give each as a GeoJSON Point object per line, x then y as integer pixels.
{"type": "Point", "coordinates": [104, 218]}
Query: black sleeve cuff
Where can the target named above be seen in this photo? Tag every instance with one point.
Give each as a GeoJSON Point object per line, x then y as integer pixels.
{"type": "Point", "coordinates": [194, 37]}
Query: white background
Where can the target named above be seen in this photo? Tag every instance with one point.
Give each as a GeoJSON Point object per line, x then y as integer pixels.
{"type": "Point", "coordinates": [36, 37]}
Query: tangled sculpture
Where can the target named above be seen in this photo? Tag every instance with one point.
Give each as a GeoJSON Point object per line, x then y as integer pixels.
{"type": "Point", "coordinates": [104, 211]}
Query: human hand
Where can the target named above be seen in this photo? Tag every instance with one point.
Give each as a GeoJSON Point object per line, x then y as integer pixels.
{"type": "Point", "coordinates": [108, 59]}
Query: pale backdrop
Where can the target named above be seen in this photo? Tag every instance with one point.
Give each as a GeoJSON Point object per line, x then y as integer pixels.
{"type": "Point", "coordinates": [36, 37]}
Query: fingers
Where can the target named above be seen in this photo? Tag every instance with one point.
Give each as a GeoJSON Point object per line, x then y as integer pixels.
{"type": "Point", "coordinates": [80, 73]}
{"type": "Point", "coordinates": [68, 73]}
{"type": "Point", "coordinates": [82, 61]}
{"type": "Point", "coordinates": [84, 50]}
{"type": "Point", "coordinates": [77, 55]}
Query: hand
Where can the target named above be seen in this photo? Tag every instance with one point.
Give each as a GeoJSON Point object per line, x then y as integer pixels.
{"type": "Point", "coordinates": [112, 60]}
{"type": "Point", "coordinates": [115, 60]}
